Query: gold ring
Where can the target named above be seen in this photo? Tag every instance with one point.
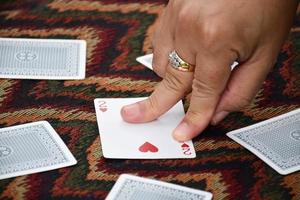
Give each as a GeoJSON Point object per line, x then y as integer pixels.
{"type": "Point", "coordinates": [179, 64]}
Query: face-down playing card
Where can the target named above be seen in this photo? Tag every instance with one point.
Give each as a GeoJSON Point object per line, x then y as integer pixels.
{"type": "Point", "coordinates": [42, 58]}
{"type": "Point", "coordinates": [129, 187]}
{"type": "Point", "coordinates": [152, 140]}
{"type": "Point", "coordinates": [276, 141]}
{"type": "Point", "coordinates": [31, 148]}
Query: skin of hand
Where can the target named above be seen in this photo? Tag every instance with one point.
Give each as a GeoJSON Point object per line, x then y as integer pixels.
{"type": "Point", "coordinates": [212, 35]}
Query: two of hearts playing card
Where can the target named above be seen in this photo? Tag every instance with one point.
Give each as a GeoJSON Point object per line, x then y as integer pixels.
{"type": "Point", "coordinates": [151, 140]}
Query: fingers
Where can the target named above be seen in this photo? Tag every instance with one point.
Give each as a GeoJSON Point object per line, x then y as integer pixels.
{"type": "Point", "coordinates": [162, 45]}
{"type": "Point", "coordinates": [210, 78]}
{"type": "Point", "coordinates": [161, 53]}
{"type": "Point", "coordinates": [175, 83]}
{"type": "Point", "coordinates": [242, 87]}
{"type": "Point", "coordinates": [166, 94]}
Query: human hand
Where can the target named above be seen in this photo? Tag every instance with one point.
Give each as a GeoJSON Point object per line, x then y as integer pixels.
{"type": "Point", "coordinates": [212, 35]}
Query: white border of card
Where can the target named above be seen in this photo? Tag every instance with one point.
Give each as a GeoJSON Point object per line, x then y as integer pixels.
{"type": "Point", "coordinates": [116, 190]}
{"type": "Point", "coordinates": [59, 142]}
{"type": "Point", "coordinates": [80, 57]}
{"type": "Point", "coordinates": [147, 61]}
{"type": "Point", "coordinates": [258, 127]}
{"type": "Point", "coordinates": [123, 140]}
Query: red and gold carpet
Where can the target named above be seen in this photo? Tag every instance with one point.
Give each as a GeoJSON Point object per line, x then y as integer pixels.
{"type": "Point", "coordinates": [116, 33]}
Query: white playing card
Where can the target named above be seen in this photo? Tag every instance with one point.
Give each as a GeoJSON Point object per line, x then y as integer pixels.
{"type": "Point", "coordinates": [152, 140]}
{"type": "Point", "coordinates": [31, 148]}
{"type": "Point", "coordinates": [42, 59]}
{"type": "Point", "coordinates": [129, 187]}
{"type": "Point", "coordinates": [276, 141]}
{"type": "Point", "coordinates": [147, 61]}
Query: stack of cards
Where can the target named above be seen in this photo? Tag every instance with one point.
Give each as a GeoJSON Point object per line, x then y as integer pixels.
{"type": "Point", "coordinates": [276, 141]}
{"type": "Point", "coordinates": [152, 140]}
{"type": "Point", "coordinates": [31, 148]}
{"type": "Point", "coordinates": [42, 59]}
{"type": "Point", "coordinates": [130, 187]}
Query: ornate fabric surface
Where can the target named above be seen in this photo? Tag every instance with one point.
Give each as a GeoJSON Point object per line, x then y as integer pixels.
{"type": "Point", "coordinates": [116, 33]}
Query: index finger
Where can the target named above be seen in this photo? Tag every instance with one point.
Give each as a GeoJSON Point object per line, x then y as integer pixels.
{"type": "Point", "coordinates": [167, 93]}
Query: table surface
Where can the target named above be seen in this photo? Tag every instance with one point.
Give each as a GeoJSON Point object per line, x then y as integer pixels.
{"type": "Point", "coordinates": [116, 33]}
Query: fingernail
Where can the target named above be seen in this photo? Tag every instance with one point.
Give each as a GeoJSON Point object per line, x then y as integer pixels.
{"type": "Point", "coordinates": [181, 132]}
{"type": "Point", "coordinates": [219, 117]}
{"type": "Point", "coordinates": [131, 111]}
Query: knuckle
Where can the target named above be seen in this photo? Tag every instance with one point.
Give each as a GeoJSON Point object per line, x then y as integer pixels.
{"type": "Point", "coordinates": [159, 71]}
{"type": "Point", "coordinates": [172, 84]}
{"type": "Point", "coordinates": [158, 36]}
{"type": "Point", "coordinates": [157, 61]}
{"type": "Point", "coordinates": [185, 17]}
{"type": "Point", "coordinates": [195, 117]}
{"type": "Point", "coordinates": [210, 32]}
{"type": "Point", "coordinates": [175, 83]}
{"type": "Point", "coordinates": [153, 41]}
{"type": "Point", "coordinates": [153, 106]}
{"type": "Point", "coordinates": [242, 102]}
{"type": "Point", "coordinates": [158, 64]}
{"type": "Point", "coordinates": [173, 4]}
{"type": "Point", "coordinates": [238, 101]}
{"type": "Point", "coordinates": [202, 90]}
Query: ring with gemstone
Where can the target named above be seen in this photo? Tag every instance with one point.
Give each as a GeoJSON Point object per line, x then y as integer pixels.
{"type": "Point", "coordinates": [179, 64]}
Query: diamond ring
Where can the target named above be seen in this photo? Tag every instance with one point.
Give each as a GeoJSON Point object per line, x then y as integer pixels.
{"type": "Point", "coordinates": [179, 64]}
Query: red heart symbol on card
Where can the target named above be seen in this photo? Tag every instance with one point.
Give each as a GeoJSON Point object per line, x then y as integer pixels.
{"type": "Point", "coordinates": [148, 147]}
{"type": "Point", "coordinates": [103, 109]}
{"type": "Point", "coordinates": [184, 145]}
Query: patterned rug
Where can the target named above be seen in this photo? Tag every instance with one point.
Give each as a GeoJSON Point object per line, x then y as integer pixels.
{"type": "Point", "coordinates": [116, 33]}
